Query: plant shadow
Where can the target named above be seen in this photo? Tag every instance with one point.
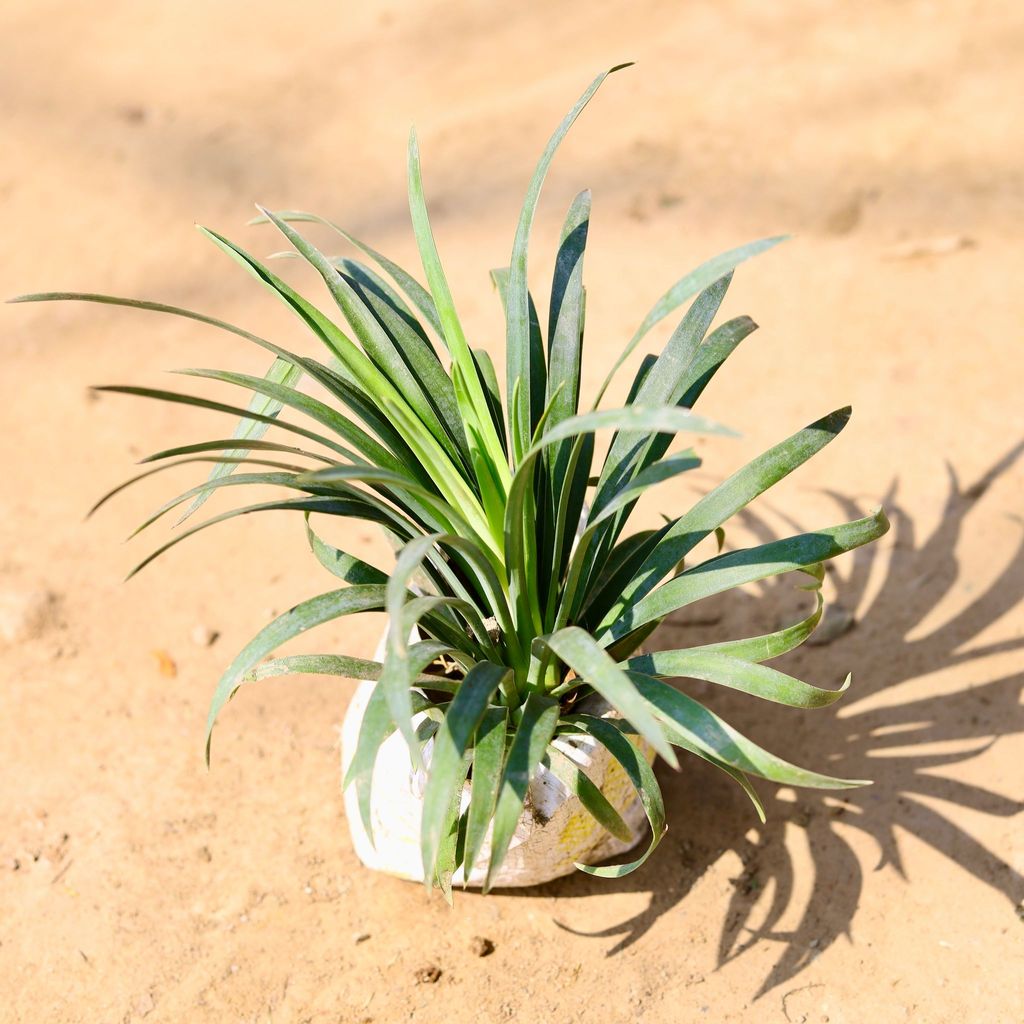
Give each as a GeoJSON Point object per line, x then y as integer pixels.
{"type": "Point", "coordinates": [902, 745]}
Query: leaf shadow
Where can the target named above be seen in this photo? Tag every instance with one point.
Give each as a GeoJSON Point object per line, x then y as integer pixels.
{"type": "Point", "coordinates": [903, 745]}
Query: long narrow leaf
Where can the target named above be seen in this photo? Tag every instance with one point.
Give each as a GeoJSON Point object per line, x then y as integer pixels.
{"type": "Point", "coordinates": [721, 740]}
{"type": "Point", "coordinates": [324, 608]}
{"type": "Point", "coordinates": [749, 677]}
{"type": "Point", "coordinates": [376, 342]}
{"type": "Point", "coordinates": [448, 765]}
{"type": "Point", "coordinates": [532, 736]}
{"type": "Point", "coordinates": [725, 501]}
{"type": "Point", "coordinates": [640, 775]}
{"type": "Point", "coordinates": [338, 665]}
{"type": "Point", "coordinates": [519, 352]}
{"type": "Point", "coordinates": [340, 563]}
{"type": "Point", "coordinates": [747, 566]}
{"type": "Point", "coordinates": [488, 764]}
{"type": "Point", "coordinates": [376, 726]}
{"type": "Point", "coordinates": [663, 385]}
{"type": "Point", "coordinates": [280, 372]}
{"type": "Point", "coordinates": [590, 662]}
{"type": "Point", "coordinates": [473, 401]}
{"type": "Point", "coordinates": [420, 297]}
{"type": "Point", "coordinates": [685, 288]}
{"type": "Point", "coordinates": [579, 785]}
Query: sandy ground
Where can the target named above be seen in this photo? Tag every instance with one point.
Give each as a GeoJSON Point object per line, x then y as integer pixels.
{"type": "Point", "coordinates": [136, 886]}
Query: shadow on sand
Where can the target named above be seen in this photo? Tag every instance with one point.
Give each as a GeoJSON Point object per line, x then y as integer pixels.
{"type": "Point", "coordinates": [903, 745]}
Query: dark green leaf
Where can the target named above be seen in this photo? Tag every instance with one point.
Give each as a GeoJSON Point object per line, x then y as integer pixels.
{"type": "Point", "coordinates": [532, 736]}
{"type": "Point", "coordinates": [324, 608]}
{"type": "Point", "coordinates": [591, 663]}
{"type": "Point", "coordinates": [488, 763]}
{"type": "Point", "coordinates": [640, 775]}
{"type": "Point", "coordinates": [719, 739]}
{"type": "Point", "coordinates": [448, 765]}
{"type": "Point", "coordinates": [746, 566]}
{"type": "Point", "coordinates": [723, 502]}
{"type": "Point", "coordinates": [520, 353]}
{"type": "Point", "coordinates": [578, 783]}
{"type": "Point", "coordinates": [750, 677]}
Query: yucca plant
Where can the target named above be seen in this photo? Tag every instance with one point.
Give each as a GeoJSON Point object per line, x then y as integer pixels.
{"type": "Point", "coordinates": [515, 591]}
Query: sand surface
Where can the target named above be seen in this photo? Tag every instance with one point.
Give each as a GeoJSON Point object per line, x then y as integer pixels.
{"type": "Point", "coordinates": [136, 886]}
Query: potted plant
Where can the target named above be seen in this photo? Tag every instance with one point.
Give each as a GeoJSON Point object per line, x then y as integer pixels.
{"type": "Point", "coordinates": [506, 729]}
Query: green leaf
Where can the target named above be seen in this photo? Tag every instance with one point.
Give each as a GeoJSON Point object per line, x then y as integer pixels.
{"type": "Point", "coordinates": [472, 400]}
{"type": "Point", "coordinates": [488, 762]}
{"type": "Point", "coordinates": [532, 736]}
{"type": "Point", "coordinates": [411, 341]}
{"type": "Point", "coordinates": [377, 725]}
{"type": "Point", "coordinates": [747, 566]}
{"type": "Point", "coordinates": [233, 460]}
{"type": "Point", "coordinates": [685, 288]}
{"type": "Point", "coordinates": [485, 367]}
{"type": "Point", "coordinates": [663, 385]}
{"type": "Point", "coordinates": [448, 765]}
{"type": "Point", "coordinates": [769, 645]}
{"type": "Point", "coordinates": [722, 503]}
{"type": "Point", "coordinates": [656, 473]}
{"type": "Point", "coordinates": [749, 677]}
{"type": "Point", "coordinates": [207, 488]}
{"type": "Point", "coordinates": [719, 739]}
{"type": "Point", "coordinates": [152, 307]}
{"type": "Point", "coordinates": [225, 444]}
{"type": "Point", "coordinates": [618, 568]}
{"type": "Point", "coordinates": [280, 372]}
{"type": "Point", "coordinates": [313, 408]}
{"type": "Point", "coordinates": [333, 506]}
{"type": "Point", "coordinates": [203, 403]}
{"type": "Point", "coordinates": [317, 610]}
{"type": "Point", "coordinates": [519, 539]}
{"type": "Point", "coordinates": [417, 293]}
{"type": "Point", "coordinates": [579, 784]}
{"type": "Point", "coordinates": [403, 615]}
{"type": "Point", "coordinates": [375, 341]}
{"type": "Point", "coordinates": [448, 848]}
{"type": "Point", "coordinates": [640, 775]}
{"type": "Point", "coordinates": [415, 500]}
{"type": "Point", "coordinates": [565, 321]}
{"type": "Point", "coordinates": [337, 665]}
{"type": "Point", "coordinates": [341, 564]}
{"type": "Point", "coordinates": [454, 487]}
{"type": "Point", "coordinates": [591, 663]}
{"type": "Point", "coordinates": [520, 354]}
{"type": "Point", "coordinates": [568, 465]}
{"type": "Point", "coordinates": [535, 387]}
{"type": "Point", "coordinates": [716, 348]}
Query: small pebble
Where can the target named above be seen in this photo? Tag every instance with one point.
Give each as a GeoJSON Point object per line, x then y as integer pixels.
{"type": "Point", "coordinates": [428, 975]}
{"type": "Point", "coordinates": [360, 937]}
{"type": "Point", "coordinates": [24, 614]}
{"type": "Point", "coordinates": [479, 946]}
{"type": "Point", "coordinates": [836, 621]}
{"type": "Point", "coordinates": [144, 1004]}
{"type": "Point", "coordinates": [203, 636]}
